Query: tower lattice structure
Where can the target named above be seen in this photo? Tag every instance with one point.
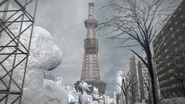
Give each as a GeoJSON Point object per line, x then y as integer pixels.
{"type": "Point", "coordinates": [90, 69]}
{"type": "Point", "coordinates": [16, 22]}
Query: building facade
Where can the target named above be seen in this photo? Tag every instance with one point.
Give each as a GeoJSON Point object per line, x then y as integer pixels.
{"type": "Point", "coordinates": [135, 79]}
{"type": "Point", "coordinates": [145, 82]}
{"type": "Point", "coordinates": [140, 80]}
{"type": "Point", "coordinates": [169, 55]}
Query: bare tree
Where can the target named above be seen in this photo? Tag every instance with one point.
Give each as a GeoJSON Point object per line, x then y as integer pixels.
{"type": "Point", "coordinates": [132, 89]}
{"type": "Point", "coordinates": [135, 23]}
{"type": "Point", "coordinates": [117, 98]}
{"type": "Point", "coordinates": [148, 86]}
{"type": "Point", "coordinates": [126, 85]}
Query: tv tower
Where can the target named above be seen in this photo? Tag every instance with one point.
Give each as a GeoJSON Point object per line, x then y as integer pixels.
{"type": "Point", "coordinates": [90, 68]}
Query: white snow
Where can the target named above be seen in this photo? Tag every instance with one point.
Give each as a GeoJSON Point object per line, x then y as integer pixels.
{"type": "Point", "coordinates": [109, 100]}
{"type": "Point", "coordinates": [44, 55]}
{"type": "Point", "coordinates": [84, 98]}
{"type": "Point", "coordinates": [177, 100]}
{"type": "Point", "coordinates": [118, 81]}
{"type": "Point", "coordinates": [72, 95]}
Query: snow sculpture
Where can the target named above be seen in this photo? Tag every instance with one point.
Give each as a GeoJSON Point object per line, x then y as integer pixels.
{"type": "Point", "coordinates": [95, 95]}
{"type": "Point", "coordinates": [44, 55]}
{"type": "Point", "coordinates": [72, 95]}
{"type": "Point", "coordinates": [84, 98]}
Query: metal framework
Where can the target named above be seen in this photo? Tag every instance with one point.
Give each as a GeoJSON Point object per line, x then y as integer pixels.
{"type": "Point", "coordinates": [90, 69]}
{"type": "Point", "coordinates": [16, 23]}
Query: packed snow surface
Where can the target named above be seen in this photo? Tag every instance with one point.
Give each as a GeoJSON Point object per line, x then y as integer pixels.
{"type": "Point", "coordinates": [178, 100]}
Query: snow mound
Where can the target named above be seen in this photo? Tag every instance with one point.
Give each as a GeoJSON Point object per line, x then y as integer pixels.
{"type": "Point", "coordinates": [179, 100]}
{"type": "Point", "coordinates": [49, 92]}
{"type": "Point", "coordinates": [72, 95]}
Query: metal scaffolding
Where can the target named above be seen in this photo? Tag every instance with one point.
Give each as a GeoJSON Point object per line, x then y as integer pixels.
{"type": "Point", "coordinates": [16, 22]}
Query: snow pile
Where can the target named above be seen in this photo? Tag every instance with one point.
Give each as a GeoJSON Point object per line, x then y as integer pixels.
{"type": "Point", "coordinates": [49, 93]}
{"type": "Point", "coordinates": [109, 100]}
{"type": "Point", "coordinates": [72, 95]}
{"type": "Point", "coordinates": [179, 100]}
{"type": "Point", "coordinates": [118, 81]}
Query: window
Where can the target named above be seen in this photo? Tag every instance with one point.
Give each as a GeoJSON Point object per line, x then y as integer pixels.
{"type": "Point", "coordinates": [165, 43]}
{"type": "Point", "coordinates": [178, 30]}
{"type": "Point", "coordinates": [162, 32]}
{"type": "Point", "coordinates": [176, 23]}
{"type": "Point", "coordinates": [179, 9]}
{"type": "Point", "coordinates": [169, 22]}
{"type": "Point", "coordinates": [174, 42]}
{"type": "Point", "coordinates": [183, 24]}
{"type": "Point", "coordinates": [173, 35]}
{"type": "Point", "coordinates": [182, 16]}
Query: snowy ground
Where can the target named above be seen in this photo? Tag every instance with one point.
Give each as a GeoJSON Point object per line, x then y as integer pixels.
{"type": "Point", "coordinates": [179, 100]}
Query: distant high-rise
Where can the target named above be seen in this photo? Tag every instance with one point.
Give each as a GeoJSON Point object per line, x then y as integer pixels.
{"type": "Point", "coordinates": [139, 75]}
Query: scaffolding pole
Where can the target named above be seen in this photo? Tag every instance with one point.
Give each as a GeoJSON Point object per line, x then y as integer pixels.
{"type": "Point", "coordinates": [16, 21]}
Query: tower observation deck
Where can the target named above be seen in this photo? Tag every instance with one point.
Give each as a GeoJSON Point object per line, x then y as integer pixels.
{"type": "Point", "coordinates": [90, 69]}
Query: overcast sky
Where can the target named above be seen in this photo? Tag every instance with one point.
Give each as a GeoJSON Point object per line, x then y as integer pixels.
{"type": "Point", "coordinates": [64, 19]}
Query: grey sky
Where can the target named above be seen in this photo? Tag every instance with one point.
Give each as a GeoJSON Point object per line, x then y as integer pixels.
{"type": "Point", "coordinates": [64, 20]}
